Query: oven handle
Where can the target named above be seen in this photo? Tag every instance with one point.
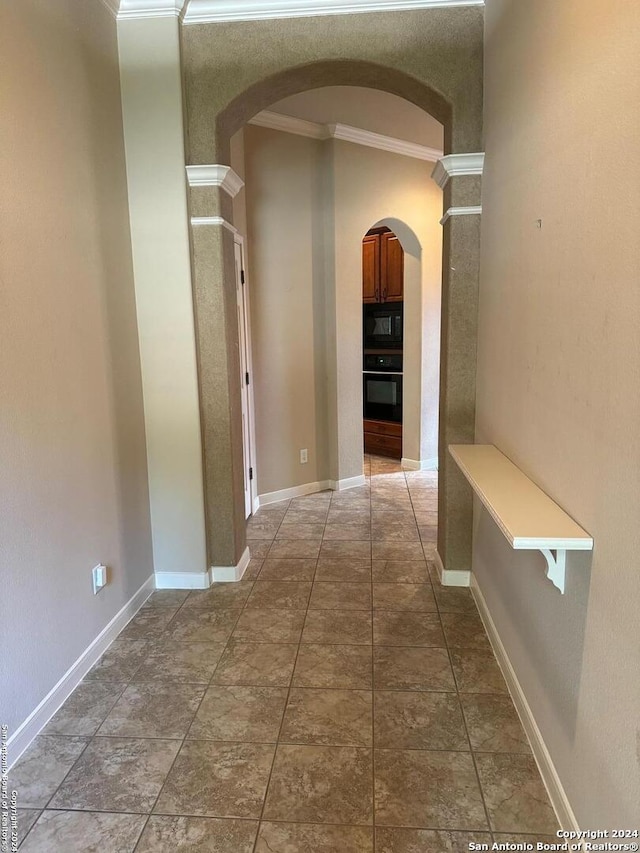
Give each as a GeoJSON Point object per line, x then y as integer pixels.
{"type": "Point", "coordinates": [380, 373]}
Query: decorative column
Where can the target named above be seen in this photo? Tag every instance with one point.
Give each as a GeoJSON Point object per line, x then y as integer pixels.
{"type": "Point", "coordinates": [211, 190]}
{"type": "Point", "coordinates": [460, 176]}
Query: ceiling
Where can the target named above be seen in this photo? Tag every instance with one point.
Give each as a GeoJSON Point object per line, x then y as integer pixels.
{"type": "Point", "coordinates": [368, 109]}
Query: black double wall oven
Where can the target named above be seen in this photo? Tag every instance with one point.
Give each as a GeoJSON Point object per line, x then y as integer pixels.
{"type": "Point", "coordinates": [382, 386]}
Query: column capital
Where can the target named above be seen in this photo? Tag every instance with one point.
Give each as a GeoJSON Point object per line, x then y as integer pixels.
{"type": "Point", "coordinates": [453, 165]}
{"type": "Point", "coordinates": [215, 176]}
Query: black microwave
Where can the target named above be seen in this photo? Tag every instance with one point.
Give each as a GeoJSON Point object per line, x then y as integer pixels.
{"type": "Point", "coordinates": [382, 326]}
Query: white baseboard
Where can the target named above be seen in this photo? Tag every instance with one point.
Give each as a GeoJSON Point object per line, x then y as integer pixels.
{"type": "Point", "coordinates": [557, 795]}
{"type": "Point", "coordinates": [58, 695]}
{"type": "Point", "coordinates": [410, 464]}
{"type": "Point", "coordinates": [203, 580]}
{"type": "Point", "coordinates": [348, 483]}
{"type": "Point", "coordinates": [294, 492]}
{"type": "Point", "coordinates": [451, 577]}
{"type": "Point", "coordinates": [183, 580]}
{"type": "Point", "coordinates": [224, 574]}
{"type": "Point", "coordinates": [420, 464]}
{"type": "Point", "coordinates": [310, 489]}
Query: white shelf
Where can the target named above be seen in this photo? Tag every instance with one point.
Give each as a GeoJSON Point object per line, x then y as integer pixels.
{"type": "Point", "coordinates": [527, 517]}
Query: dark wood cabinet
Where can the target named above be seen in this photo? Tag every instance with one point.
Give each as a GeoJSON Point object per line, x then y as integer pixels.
{"type": "Point", "coordinates": [382, 267]}
{"type": "Point", "coordinates": [371, 269]}
{"type": "Point", "coordinates": [383, 438]}
{"type": "Point", "coordinates": [392, 268]}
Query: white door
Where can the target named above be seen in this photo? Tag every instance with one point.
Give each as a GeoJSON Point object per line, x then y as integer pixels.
{"type": "Point", "coordinates": [245, 379]}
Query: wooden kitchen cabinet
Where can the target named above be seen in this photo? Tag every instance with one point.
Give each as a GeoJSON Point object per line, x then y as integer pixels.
{"type": "Point", "coordinates": [392, 268]}
{"type": "Point", "coordinates": [371, 268]}
{"type": "Point", "coordinates": [383, 438]}
{"type": "Point", "coordinates": [382, 267]}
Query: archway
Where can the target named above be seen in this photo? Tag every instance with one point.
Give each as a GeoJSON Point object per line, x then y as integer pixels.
{"type": "Point", "coordinates": [218, 105]}
{"type": "Point", "coordinates": [421, 345]}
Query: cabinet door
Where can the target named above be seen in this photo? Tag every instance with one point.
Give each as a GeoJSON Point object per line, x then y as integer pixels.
{"type": "Point", "coordinates": [371, 268]}
{"type": "Point", "coordinates": [392, 264]}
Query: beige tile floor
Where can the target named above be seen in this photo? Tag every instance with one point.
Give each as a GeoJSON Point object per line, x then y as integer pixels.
{"type": "Point", "coordinates": [338, 700]}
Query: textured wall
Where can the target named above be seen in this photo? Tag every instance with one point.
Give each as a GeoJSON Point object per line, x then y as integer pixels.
{"type": "Point", "coordinates": [559, 374]}
{"type": "Point", "coordinates": [237, 69]}
{"type": "Point", "coordinates": [73, 490]}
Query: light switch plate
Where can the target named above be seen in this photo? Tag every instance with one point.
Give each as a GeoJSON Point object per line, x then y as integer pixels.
{"type": "Point", "coordinates": [99, 575]}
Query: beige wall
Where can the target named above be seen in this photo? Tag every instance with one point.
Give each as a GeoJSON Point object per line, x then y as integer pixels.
{"type": "Point", "coordinates": [559, 374]}
{"type": "Point", "coordinates": [153, 126]}
{"type": "Point", "coordinates": [73, 490]}
{"type": "Point", "coordinates": [284, 176]}
{"type": "Point", "coordinates": [309, 204]}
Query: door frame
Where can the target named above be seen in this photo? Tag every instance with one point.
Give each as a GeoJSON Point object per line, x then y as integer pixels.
{"type": "Point", "coordinates": [248, 452]}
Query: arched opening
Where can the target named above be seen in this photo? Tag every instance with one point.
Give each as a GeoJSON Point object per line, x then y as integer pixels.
{"type": "Point", "coordinates": [230, 117]}
{"type": "Point", "coordinates": [304, 207]}
{"type": "Point", "coordinates": [384, 365]}
{"type": "Point", "coordinates": [226, 109]}
{"type": "Point", "coordinates": [415, 443]}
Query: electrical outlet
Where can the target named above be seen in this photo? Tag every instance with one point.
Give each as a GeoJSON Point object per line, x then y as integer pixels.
{"type": "Point", "coordinates": [99, 577]}
{"type": "Point", "coordinates": [304, 456]}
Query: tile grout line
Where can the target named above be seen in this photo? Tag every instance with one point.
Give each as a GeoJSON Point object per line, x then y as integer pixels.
{"type": "Point", "coordinates": [208, 686]}
{"type": "Point", "coordinates": [373, 683]}
{"type": "Point", "coordinates": [184, 739]}
{"type": "Point", "coordinates": [466, 729]}
{"type": "Point", "coordinates": [286, 703]}
{"type": "Point", "coordinates": [149, 646]}
{"type": "Point", "coordinates": [91, 738]}
{"type": "Point", "coordinates": [284, 710]}
{"type": "Point", "coordinates": [213, 818]}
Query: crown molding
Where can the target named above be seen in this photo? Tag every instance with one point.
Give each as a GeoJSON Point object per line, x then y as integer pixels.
{"type": "Point", "coordinates": [290, 124]}
{"type": "Point", "coordinates": [128, 9]}
{"type": "Point", "coordinates": [454, 165]}
{"type": "Point", "coordinates": [214, 11]}
{"type": "Point", "coordinates": [461, 211]}
{"type": "Point", "coordinates": [215, 176]}
{"type": "Point", "coordinates": [313, 130]}
{"type": "Point", "coordinates": [384, 143]}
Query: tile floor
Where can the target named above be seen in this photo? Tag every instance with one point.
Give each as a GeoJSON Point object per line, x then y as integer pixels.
{"type": "Point", "coordinates": [338, 700]}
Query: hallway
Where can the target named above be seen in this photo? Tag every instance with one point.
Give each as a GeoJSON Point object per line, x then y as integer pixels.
{"type": "Point", "coordinates": [242, 718]}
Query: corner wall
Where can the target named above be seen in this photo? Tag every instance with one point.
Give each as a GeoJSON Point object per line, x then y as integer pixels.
{"type": "Point", "coordinates": [559, 373]}
{"type": "Point", "coordinates": [152, 109]}
{"type": "Point", "coordinates": [73, 490]}
{"type": "Point", "coordinates": [285, 210]}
